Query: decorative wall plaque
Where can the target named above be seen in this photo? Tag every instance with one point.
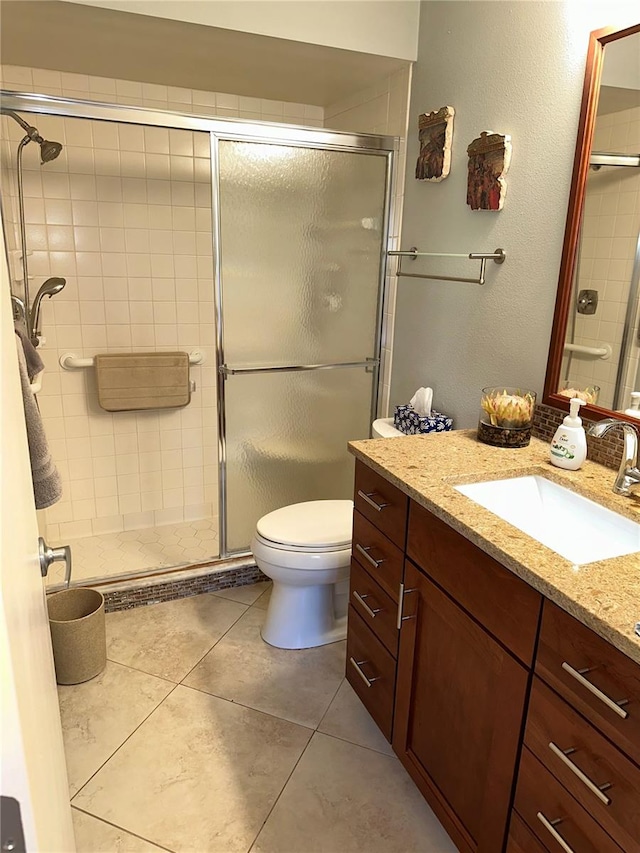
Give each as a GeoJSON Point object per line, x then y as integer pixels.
{"type": "Point", "coordinates": [489, 158]}
{"type": "Point", "coordinates": [435, 132]}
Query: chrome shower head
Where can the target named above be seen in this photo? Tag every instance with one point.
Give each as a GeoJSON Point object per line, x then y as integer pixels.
{"type": "Point", "coordinates": [50, 287]}
{"type": "Point", "coordinates": [48, 150]}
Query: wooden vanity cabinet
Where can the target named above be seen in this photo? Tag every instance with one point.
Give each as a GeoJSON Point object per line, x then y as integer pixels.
{"type": "Point", "coordinates": [470, 672]}
{"type": "Point", "coordinates": [378, 544]}
{"type": "Point", "coordinates": [466, 649]}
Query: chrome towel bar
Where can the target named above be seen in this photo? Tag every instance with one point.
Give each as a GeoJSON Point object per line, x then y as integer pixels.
{"type": "Point", "coordinates": [70, 361]}
{"type": "Point", "coordinates": [498, 257]}
{"type": "Point", "coordinates": [226, 371]}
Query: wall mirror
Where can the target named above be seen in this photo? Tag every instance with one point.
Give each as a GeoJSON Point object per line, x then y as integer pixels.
{"type": "Point", "coordinates": [595, 342]}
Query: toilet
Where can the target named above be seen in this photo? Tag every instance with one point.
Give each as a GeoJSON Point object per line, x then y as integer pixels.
{"type": "Point", "coordinates": [305, 549]}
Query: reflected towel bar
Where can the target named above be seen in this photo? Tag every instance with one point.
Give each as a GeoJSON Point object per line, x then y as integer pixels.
{"type": "Point", "coordinates": [497, 257]}
{"type": "Point", "coordinates": [70, 361]}
{"type": "Point", "coordinates": [597, 352]}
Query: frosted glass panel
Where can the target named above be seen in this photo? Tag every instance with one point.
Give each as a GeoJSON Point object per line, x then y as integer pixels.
{"type": "Point", "coordinates": [301, 251]}
{"type": "Point", "coordinates": [287, 439]}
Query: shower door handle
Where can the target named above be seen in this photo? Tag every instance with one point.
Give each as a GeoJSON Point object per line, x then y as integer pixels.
{"type": "Point", "coordinates": [49, 555]}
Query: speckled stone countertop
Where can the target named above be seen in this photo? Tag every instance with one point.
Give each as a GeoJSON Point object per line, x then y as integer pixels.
{"type": "Point", "coordinates": [604, 595]}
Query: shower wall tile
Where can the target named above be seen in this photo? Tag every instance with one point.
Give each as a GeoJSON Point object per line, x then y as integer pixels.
{"type": "Point", "coordinates": [609, 241]}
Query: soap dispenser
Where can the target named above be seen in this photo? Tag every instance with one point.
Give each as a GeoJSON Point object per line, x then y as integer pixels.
{"type": "Point", "coordinates": [569, 444]}
{"type": "Point", "coordinates": [634, 410]}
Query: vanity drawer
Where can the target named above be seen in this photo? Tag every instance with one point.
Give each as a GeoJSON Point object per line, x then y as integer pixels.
{"type": "Point", "coordinates": [503, 603]}
{"type": "Point", "coordinates": [377, 609]}
{"type": "Point", "coordinates": [521, 839]}
{"type": "Point", "coordinates": [379, 556]}
{"type": "Point", "coordinates": [371, 671]}
{"type": "Point", "coordinates": [546, 807]}
{"type": "Point", "coordinates": [553, 725]}
{"type": "Point", "coordinates": [383, 504]}
{"type": "Point", "coordinates": [595, 678]}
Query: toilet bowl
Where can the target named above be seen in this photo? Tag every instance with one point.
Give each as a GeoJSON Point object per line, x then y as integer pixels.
{"type": "Point", "coordinates": [305, 549]}
{"type": "Point", "coordinates": [384, 428]}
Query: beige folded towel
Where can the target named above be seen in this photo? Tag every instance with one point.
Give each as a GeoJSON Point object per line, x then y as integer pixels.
{"type": "Point", "coordinates": [133, 381]}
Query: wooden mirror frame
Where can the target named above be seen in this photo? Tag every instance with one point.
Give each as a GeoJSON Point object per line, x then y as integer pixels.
{"type": "Point", "coordinates": [590, 92]}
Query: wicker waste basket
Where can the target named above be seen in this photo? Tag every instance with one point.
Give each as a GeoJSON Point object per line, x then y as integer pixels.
{"type": "Point", "coordinates": [78, 635]}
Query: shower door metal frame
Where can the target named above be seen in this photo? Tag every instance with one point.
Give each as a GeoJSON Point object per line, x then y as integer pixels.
{"type": "Point", "coordinates": [332, 141]}
{"type": "Point", "coordinates": [241, 131]}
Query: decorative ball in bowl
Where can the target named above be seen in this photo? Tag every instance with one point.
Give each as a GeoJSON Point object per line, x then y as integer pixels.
{"type": "Point", "coordinates": [586, 393]}
{"type": "Point", "coordinates": [506, 416]}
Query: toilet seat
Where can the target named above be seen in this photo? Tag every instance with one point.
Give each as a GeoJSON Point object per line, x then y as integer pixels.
{"type": "Point", "coordinates": [309, 527]}
{"type": "Point", "coordinates": [301, 559]}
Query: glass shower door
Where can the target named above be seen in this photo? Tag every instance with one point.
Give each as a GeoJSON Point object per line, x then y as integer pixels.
{"type": "Point", "coordinates": [301, 248]}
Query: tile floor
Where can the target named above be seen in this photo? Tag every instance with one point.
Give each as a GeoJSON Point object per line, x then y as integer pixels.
{"type": "Point", "coordinates": [112, 554]}
{"type": "Point", "coordinates": [198, 736]}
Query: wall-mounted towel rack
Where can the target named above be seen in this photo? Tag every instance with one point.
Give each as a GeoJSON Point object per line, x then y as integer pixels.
{"type": "Point", "coordinates": [597, 352]}
{"type": "Point", "coordinates": [70, 361]}
{"type": "Point", "coordinates": [498, 257]}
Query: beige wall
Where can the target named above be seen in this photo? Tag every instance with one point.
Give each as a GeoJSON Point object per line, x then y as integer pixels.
{"type": "Point", "coordinates": [514, 68]}
{"type": "Point", "coordinates": [385, 27]}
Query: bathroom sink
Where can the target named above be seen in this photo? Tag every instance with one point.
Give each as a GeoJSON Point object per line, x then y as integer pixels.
{"type": "Point", "coordinates": [574, 527]}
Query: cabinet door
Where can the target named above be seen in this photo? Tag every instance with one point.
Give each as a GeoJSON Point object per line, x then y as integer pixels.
{"type": "Point", "coordinates": [459, 708]}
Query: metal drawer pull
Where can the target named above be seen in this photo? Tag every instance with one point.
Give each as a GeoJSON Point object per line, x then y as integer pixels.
{"type": "Point", "coordinates": [356, 665]}
{"type": "Point", "coordinates": [550, 825]}
{"type": "Point", "coordinates": [368, 498]}
{"type": "Point", "coordinates": [579, 677]}
{"type": "Point", "coordinates": [365, 553]}
{"type": "Point", "coordinates": [595, 789]}
{"type": "Point", "coordinates": [401, 596]}
{"type": "Point", "coordinates": [361, 600]}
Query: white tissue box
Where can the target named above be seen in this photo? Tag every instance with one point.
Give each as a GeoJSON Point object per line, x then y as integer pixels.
{"type": "Point", "coordinates": [408, 421]}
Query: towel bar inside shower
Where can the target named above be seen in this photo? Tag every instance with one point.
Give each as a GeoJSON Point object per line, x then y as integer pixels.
{"type": "Point", "coordinates": [498, 257]}
{"type": "Point", "coordinates": [70, 361]}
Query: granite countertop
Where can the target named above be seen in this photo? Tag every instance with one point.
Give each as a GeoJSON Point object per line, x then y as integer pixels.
{"type": "Point", "coordinates": [604, 595]}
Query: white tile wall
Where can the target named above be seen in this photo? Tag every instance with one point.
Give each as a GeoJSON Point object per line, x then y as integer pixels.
{"type": "Point", "coordinates": [124, 215]}
{"type": "Point", "coordinates": [609, 241]}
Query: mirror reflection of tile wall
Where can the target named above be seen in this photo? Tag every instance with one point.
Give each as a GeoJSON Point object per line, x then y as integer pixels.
{"type": "Point", "coordinates": [606, 258]}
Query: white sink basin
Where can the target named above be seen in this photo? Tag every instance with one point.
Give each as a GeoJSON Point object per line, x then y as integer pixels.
{"type": "Point", "coordinates": [574, 527]}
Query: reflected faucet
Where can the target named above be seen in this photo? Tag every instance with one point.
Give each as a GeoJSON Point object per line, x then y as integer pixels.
{"type": "Point", "coordinates": [628, 478]}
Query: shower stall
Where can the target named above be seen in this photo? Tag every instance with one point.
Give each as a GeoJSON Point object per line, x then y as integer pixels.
{"type": "Point", "coordinates": [260, 249]}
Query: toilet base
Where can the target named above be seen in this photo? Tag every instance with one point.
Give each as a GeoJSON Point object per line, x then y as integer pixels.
{"type": "Point", "coordinates": [302, 617]}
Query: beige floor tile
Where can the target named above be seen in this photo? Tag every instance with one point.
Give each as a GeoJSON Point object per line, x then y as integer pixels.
{"type": "Point", "coordinates": [248, 594]}
{"type": "Point", "coordinates": [96, 836]}
{"type": "Point", "coordinates": [345, 798]}
{"type": "Point", "coordinates": [168, 639]}
{"type": "Point", "coordinates": [348, 719]}
{"type": "Point", "coordinates": [99, 715]}
{"type": "Point", "coordinates": [296, 685]}
{"type": "Point", "coordinates": [201, 774]}
{"type": "Point", "coordinates": [263, 602]}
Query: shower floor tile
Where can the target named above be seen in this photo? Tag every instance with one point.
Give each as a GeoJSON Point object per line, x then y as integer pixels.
{"type": "Point", "coordinates": [111, 554]}
{"type": "Point", "coordinates": [208, 773]}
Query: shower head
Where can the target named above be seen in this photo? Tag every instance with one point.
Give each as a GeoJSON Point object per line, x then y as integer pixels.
{"type": "Point", "coordinates": [48, 150]}
{"type": "Point", "coordinates": [50, 287]}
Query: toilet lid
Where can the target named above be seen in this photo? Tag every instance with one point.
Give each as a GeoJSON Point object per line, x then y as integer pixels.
{"type": "Point", "coordinates": [314, 524]}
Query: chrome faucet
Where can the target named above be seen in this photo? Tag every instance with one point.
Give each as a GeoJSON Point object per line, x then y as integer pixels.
{"type": "Point", "coordinates": [628, 478]}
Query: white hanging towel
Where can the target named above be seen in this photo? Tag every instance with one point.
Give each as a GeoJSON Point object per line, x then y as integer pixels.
{"type": "Point", "coordinates": [421, 402]}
